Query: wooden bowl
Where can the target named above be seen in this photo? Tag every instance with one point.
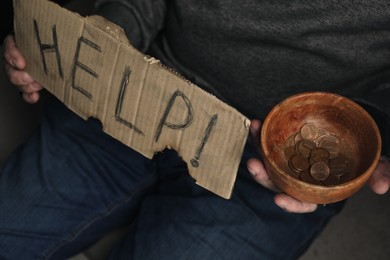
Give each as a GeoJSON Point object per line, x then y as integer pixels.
{"type": "Point", "coordinates": [355, 135]}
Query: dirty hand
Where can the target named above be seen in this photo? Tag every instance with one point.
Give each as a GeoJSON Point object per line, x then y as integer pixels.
{"type": "Point", "coordinates": [259, 173]}
{"type": "Point", "coordinates": [14, 64]}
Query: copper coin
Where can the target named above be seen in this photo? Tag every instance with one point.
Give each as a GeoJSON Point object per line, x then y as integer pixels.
{"type": "Point", "coordinates": [332, 180]}
{"type": "Point", "coordinates": [304, 147]}
{"type": "Point", "coordinates": [330, 143]}
{"type": "Point", "coordinates": [292, 168]}
{"type": "Point", "coordinates": [306, 177]}
{"type": "Point", "coordinates": [319, 171]}
{"type": "Point", "coordinates": [338, 165]}
{"type": "Point", "coordinates": [298, 138]}
{"type": "Point", "coordinates": [322, 131]}
{"type": "Point", "coordinates": [299, 163]}
{"type": "Point", "coordinates": [294, 173]}
{"type": "Point", "coordinates": [309, 132]}
{"type": "Point", "coordinates": [319, 155]}
{"type": "Point", "coordinates": [290, 151]}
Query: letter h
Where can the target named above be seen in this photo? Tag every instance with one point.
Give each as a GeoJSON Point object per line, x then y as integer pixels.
{"type": "Point", "coordinates": [49, 48]}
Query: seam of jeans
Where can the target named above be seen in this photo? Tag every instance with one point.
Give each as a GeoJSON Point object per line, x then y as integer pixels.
{"type": "Point", "coordinates": [79, 229]}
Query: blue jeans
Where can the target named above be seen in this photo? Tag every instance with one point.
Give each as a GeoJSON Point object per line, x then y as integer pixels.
{"type": "Point", "coordinates": [71, 183]}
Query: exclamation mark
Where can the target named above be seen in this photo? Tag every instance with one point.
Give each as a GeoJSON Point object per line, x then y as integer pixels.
{"type": "Point", "coordinates": [212, 123]}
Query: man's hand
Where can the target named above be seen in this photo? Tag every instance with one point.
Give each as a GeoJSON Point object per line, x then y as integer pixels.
{"type": "Point", "coordinates": [380, 179]}
{"type": "Point", "coordinates": [259, 173]}
{"type": "Point", "coordinates": [14, 64]}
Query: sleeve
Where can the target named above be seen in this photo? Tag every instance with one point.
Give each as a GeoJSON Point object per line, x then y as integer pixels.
{"type": "Point", "coordinates": [142, 20]}
{"type": "Point", "coordinates": [377, 103]}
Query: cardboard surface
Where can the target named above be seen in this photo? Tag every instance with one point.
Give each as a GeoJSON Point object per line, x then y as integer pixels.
{"type": "Point", "coordinates": [90, 66]}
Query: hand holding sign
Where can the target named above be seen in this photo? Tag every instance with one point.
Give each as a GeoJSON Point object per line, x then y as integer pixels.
{"type": "Point", "coordinates": [14, 66]}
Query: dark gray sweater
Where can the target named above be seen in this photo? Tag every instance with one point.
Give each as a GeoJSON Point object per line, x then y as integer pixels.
{"type": "Point", "coordinates": [253, 54]}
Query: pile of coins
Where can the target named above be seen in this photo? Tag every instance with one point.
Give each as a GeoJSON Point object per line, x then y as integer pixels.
{"type": "Point", "coordinates": [314, 156]}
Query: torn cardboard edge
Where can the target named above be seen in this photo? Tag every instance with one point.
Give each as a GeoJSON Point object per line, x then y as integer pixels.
{"type": "Point", "coordinates": [91, 67]}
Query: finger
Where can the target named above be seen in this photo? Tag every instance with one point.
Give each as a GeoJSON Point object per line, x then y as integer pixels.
{"type": "Point", "coordinates": [289, 204]}
{"type": "Point", "coordinates": [379, 182]}
{"type": "Point", "coordinates": [18, 77]}
{"type": "Point", "coordinates": [31, 98]}
{"type": "Point", "coordinates": [255, 132]}
{"type": "Point", "coordinates": [255, 127]}
{"type": "Point", "coordinates": [12, 54]}
{"type": "Point", "coordinates": [30, 88]}
{"type": "Point", "coordinates": [259, 173]}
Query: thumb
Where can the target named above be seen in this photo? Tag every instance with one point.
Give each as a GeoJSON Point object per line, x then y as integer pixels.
{"type": "Point", "coordinates": [254, 130]}
{"type": "Point", "coordinates": [259, 173]}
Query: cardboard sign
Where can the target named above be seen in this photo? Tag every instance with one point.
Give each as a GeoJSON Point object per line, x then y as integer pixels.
{"type": "Point", "coordinates": [89, 65]}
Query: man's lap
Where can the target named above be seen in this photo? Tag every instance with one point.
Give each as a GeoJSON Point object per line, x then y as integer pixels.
{"type": "Point", "coordinates": [71, 183]}
{"type": "Point", "coordinates": [66, 187]}
{"type": "Point", "coordinates": [180, 220]}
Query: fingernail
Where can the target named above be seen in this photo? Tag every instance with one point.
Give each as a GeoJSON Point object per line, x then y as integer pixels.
{"type": "Point", "coordinates": [12, 63]}
{"type": "Point", "coordinates": [252, 172]}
